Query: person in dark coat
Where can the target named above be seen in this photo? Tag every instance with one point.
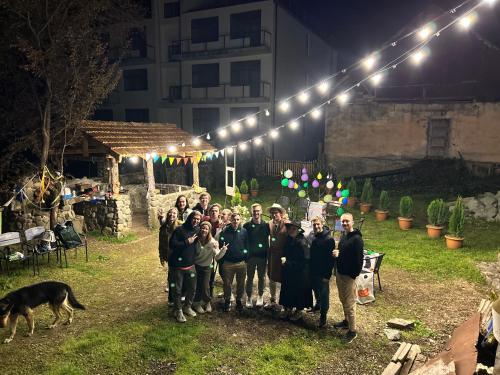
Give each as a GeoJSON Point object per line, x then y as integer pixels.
{"type": "Point", "coordinates": [321, 265]}
{"type": "Point", "coordinates": [204, 206]}
{"type": "Point", "coordinates": [168, 225]}
{"type": "Point", "coordinates": [295, 286]}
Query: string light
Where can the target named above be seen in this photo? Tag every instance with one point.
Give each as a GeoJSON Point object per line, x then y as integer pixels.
{"type": "Point", "coordinates": [303, 97]}
{"type": "Point", "coordinates": [273, 133]}
{"type": "Point", "coordinates": [323, 87]}
{"type": "Point", "coordinates": [196, 142]}
{"type": "Point", "coordinates": [294, 125]}
{"type": "Point", "coordinates": [243, 146]}
{"type": "Point", "coordinates": [316, 113]}
{"type": "Point", "coordinates": [222, 133]}
{"type": "Point", "coordinates": [148, 156]}
{"type": "Point", "coordinates": [236, 126]}
{"type": "Point", "coordinates": [267, 113]}
{"type": "Point", "coordinates": [257, 141]}
{"type": "Point", "coordinates": [172, 148]}
{"type": "Point", "coordinates": [134, 159]}
{"type": "Point", "coordinates": [369, 62]}
{"type": "Point", "coordinates": [183, 144]}
{"type": "Point", "coordinates": [467, 21]}
{"type": "Point", "coordinates": [490, 2]}
{"type": "Point", "coordinates": [375, 79]}
{"type": "Point", "coordinates": [229, 150]}
{"type": "Point", "coordinates": [425, 32]}
{"type": "Point", "coordinates": [343, 98]}
{"type": "Point", "coordinates": [284, 106]}
{"type": "Point", "coordinates": [418, 57]}
{"type": "Point", "coordinates": [251, 121]}
{"type": "Point", "coordinates": [208, 136]}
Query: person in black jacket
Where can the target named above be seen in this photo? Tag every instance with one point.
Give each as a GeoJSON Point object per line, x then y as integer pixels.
{"type": "Point", "coordinates": [295, 287]}
{"type": "Point", "coordinates": [181, 260]}
{"type": "Point", "coordinates": [235, 237]}
{"type": "Point", "coordinates": [349, 264]}
{"type": "Point", "coordinates": [204, 206]}
{"type": "Point", "coordinates": [321, 265]}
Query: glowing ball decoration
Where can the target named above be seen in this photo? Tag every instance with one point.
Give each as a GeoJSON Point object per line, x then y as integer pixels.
{"type": "Point", "coordinates": [339, 185]}
{"type": "Point", "coordinates": [284, 182]}
{"type": "Point", "coordinates": [304, 170]}
{"type": "Point", "coordinates": [338, 194]}
{"type": "Point", "coordinates": [329, 185]}
{"type": "Point", "coordinates": [304, 177]}
{"type": "Point", "coordinates": [344, 200]}
{"type": "Point", "coordinates": [296, 186]}
{"type": "Point", "coordinates": [319, 176]}
{"type": "Point", "coordinates": [327, 198]}
{"type": "Point", "coordinates": [288, 173]}
{"type": "Point", "coordinates": [302, 193]}
{"type": "Point", "coordinates": [345, 192]}
{"type": "Point", "coordinates": [340, 211]}
{"type": "Point", "coordinates": [315, 184]}
{"type": "Point", "coordinates": [306, 185]}
{"type": "Point", "coordinates": [291, 184]}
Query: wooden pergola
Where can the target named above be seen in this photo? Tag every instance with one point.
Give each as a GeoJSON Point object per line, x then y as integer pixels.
{"type": "Point", "coordinates": [115, 140]}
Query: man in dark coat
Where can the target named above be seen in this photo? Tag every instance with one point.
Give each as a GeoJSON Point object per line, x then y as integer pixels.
{"type": "Point", "coordinates": [295, 286]}
{"type": "Point", "coordinates": [321, 265]}
{"type": "Point", "coordinates": [349, 265]}
{"type": "Point", "coordinates": [181, 261]}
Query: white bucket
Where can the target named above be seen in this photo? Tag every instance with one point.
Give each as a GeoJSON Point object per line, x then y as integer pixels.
{"type": "Point", "coordinates": [495, 312]}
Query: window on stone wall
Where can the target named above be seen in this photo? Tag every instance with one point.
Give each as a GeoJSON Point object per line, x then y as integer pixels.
{"type": "Point", "coordinates": [438, 134]}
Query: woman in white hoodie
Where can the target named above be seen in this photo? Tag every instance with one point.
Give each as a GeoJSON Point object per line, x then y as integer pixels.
{"type": "Point", "coordinates": [207, 249]}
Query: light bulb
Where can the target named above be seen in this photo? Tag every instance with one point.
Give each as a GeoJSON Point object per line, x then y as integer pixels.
{"type": "Point", "coordinates": [229, 150]}
{"type": "Point", "coordinates": [425, 32]}
{"type": "Point", "coordinates": [418, 57]}
{"type": "Point", "coordinates": [172, 148]}
{"type": "Point", "coordinates": [222, 132]}
{"type": "Point", "coordinates": [343, 98]}
{"type": "Point", "coordinates": [251, 121]}
{"type": "Point", "coordinates": [284, 106]}
{"type": "Point", "coordinates": [196, 142]}
{"type": "Point", "coordinates": [257, 141]}
{"type": "Point", "coordinates": [375, 80]}
{"type": "Point", "coordinates": [316, 113]}
{"type": "Point", "coordinates": [303, 97]}
{"type": "Point", "coordinates": [243, 146]}
{"type": "Point", "coordinates": [273, 133]}
{"type": "Point", "coordinates": [369, 62]}
{"type": "Point", "coordinates": [236, 126]}
{"type": "Point", "coordinates": [294, 125]}
{"type": "Point", "coordinates": [267, 112]}
{"type": "Point", "coordinates": [323, 87]}
{"type": "Point", "coordinates": [134, 159]}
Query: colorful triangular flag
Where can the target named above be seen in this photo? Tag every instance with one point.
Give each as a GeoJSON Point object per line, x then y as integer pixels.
{"type": "Point", "coordinates": [186, 161]}
{"type": "Point", "coordinates": [222, 152]}
{"type": "Point", "coordinates": [163, 158]}
{"type": "Point", "coordinates": [171, 160]}
{"type": "Point", "coordinates": [178, 160]}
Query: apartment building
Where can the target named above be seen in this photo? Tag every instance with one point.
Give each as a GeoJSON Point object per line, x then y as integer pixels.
{"type": "Point", "coordinates": [203, 63]}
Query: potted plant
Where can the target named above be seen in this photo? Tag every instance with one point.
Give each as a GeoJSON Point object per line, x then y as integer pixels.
{"type": "Point", "coordinates": [236, 199]}
{"type": "Point", "coordinates": [366, 196]}
{"type": "Point", "coordinates": [436, 217]}
{"type": "Point", "coordinates": [383, 204]}
{"type": "Point", "coordinates": [254, 187]}
{"type": "Point", "coordinates": [406, 212]}
{"type": "Point", "coordinates": [455, 236]}
{"type": "Point", "coordinates": [353, 192]}
{"type": "Point", "coordinates": [244, 191]}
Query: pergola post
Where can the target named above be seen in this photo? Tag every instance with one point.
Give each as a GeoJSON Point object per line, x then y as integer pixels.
{"type": "Point", "coordinates": [150, 175]}
{"type": "Point", "coordinates": [196, 172]}
{"type": "Point", "coordinates": [114, 176]}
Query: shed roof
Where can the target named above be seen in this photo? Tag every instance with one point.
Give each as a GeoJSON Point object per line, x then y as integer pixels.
{"type": "Point", "coordinates": [138, 138]}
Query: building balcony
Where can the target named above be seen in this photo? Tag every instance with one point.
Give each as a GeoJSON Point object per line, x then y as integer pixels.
{"type": "Point", "coordinates": [222, 93]}
{"type": "Point", "coordinates": [185, 49]}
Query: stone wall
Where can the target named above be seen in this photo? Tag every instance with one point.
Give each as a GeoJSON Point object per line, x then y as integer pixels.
{"type": "Point", "coordinates": [166, 201]}
{"type": "Point", "coordinates": [485, 206]}
{"type": "Point", "coordinates": [369, 137]}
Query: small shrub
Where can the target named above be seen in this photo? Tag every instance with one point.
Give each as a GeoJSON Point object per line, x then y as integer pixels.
{"type": "Point", "coordinates": [254, 184]}
{"type": "Point", "coordinates": [406, 207]}
{"type": "Point", "coordinates": [353, 188]}
{"type": "Point", "coordinates": [244, 187]}
{"type": "Point", "coordinates": [437, 212]}
{"type": "Point", "coordinates": [457, 219]}
{"type": "Point", "coordinates": [367, 192]}
{"type": "Point", "coordinates": [236, 199]}
{"type": "Point", "coordinates": [383, 201]}
{"type": "Point", "coordinates": [243, 211]}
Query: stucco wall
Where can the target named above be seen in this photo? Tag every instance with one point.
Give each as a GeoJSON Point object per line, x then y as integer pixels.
{"type": "Point", "coordinates": [371, 137]}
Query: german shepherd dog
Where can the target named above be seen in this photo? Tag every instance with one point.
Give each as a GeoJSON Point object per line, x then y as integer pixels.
{"type": "Point", "coordinates": [24, 300]}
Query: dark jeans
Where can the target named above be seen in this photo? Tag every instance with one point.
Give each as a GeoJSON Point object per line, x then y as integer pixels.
{"type": "Point", "coordinates": [203, 284]}
{"type": "Point", "coordinates": [184, 279]}
{"type": "Point", "coordinates": [171, 284]}
{"type": "Point", "coordinates": [322, 293]}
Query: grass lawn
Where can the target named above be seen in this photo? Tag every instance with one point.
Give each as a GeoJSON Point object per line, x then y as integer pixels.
{"type": "Point", "coordinates": [127, 328]}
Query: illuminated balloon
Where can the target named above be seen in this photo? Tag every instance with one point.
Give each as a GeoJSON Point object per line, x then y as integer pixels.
{"type": "Point", "coordinates": [338, 194]}
{"type": "Point", "coordinates": [304, 177]}
{"type": "Point", "coordinates": [327, 198]}
{"type": "Point", "coordinates": [291, 184]}
{"type": "Point", "coordinates": [345, 193]}
{"type": "Point", "coordinates": [319, 176]}
{"type": "Point", "coordinates": [288, 173]}
{"type": "Point", "coordinates": [321, 202]}
{"type": "Point", "coordinates": [284, 182]}
{"type": "Point", "coordinates": [344, 200]}
{"type": "Point", "coordinates": [315, 184]}
{"type": "Point", "coordinates": [339, 185]}
{"type": "Point", "coordinates": [329, 185]}
{"type": "Point", "coordinates": [302, 193]}
{"type": "Point", "coordinates": [306, 184]}
{"type": "Point", "coordinates": [304, 170]}
{"type": "Point", "coordinates": [340, 211]}
{"type": "Point", "coordinates": [296, 186]}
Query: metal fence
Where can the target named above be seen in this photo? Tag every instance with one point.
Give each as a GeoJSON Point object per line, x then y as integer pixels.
{"type": "Point", "coordinates": [274, 167]}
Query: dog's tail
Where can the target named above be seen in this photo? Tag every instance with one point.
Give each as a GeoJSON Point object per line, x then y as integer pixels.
{"type": "Point", "coordinates": [72, 299]}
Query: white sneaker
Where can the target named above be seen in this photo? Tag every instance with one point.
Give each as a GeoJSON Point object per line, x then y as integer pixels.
{"type": "Point", "coordinates": [180, 316]}
{"type": "Point", "coordinates": [249, 303]}
{"type": "Point", "coordinates": [189, 311]}
{"type": "Point", "coordinates": [199, 309]}
{"type": "Point", "coordinates": [208, 307]}
{"type": "Point", "coordinates": [260, 301]}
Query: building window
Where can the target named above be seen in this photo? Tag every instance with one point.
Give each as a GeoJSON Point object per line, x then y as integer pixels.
{"type": "Point", "coordinates": [438, 141]}
{"type": "Point", "coordinates": [205, 30]}
{"type": "Point", "coordinates": [246, 25]}
{"type": "Point", "coordinates": [205, 75]}
{"type": "Point", "coordinates": [246, 73]}
{"type": "Point", "coordinates": [138, 45]}
{"type": "Point", "coordinates": [205, 120]}
{"type": "Point", "coordinates": [135, 79]}
{"type": "Point", "coordinates": [103, 115]}
{"type": "Point", "coordinates": [144, 7]}
{"type": "Point", "coordinates": [171, 10]}
{"type": "Point", "coordinates": [137, 115]}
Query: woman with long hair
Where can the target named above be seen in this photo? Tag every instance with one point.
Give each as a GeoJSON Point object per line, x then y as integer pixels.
{"type": "Point", "coordinates": [182, 205]}
{"type": "Point", "coordinates": [168, 225]}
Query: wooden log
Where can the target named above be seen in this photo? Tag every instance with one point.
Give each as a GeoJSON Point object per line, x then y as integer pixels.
{"type": "Point", "coordinates": [412, 355]}
{"type": "Point", "coordinates": [392, 369]}
{"type": "Point", "coordinates": [114, 178]}
{"type": "Point", "coordinates": [395, 356]}
{"type": "Point", "coordinates": [150, 175]}
{"type": "Point", "coordinates": [404, 353]}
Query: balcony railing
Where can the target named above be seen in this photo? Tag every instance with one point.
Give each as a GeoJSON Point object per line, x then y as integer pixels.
{"type": "Point", "coordinates": [223, 91]}
{"type": "Point", "coordinates": [187, 49]}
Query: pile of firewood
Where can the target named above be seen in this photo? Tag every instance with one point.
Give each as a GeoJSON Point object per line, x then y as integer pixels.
{"type": "Point", "coordinates": [407, 358]}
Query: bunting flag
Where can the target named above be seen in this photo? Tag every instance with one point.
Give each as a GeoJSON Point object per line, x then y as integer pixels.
{"type": "Point", "coordinates": [148, 156]}
{"type": "Point", "coordinates": [163, 158]}
{"type": "Point", "coordinates": [171, 160]}
{"type": "Point", "coordinates": [155, 158]}
{"type": "Point", "coordinates": [198, 156]}
{"type": "Point", "coordinates": [191, 160]}
{"type": "Point", "coordinates": [186, 161]}
{"type": "Point", "coordinates": [204, 157]}
{"type": "Point", "coordinates": [222, 152]}
{"type": "Point", "coordinates": [216, 153]}
{"type": "Point", "coordinates": [178, 160]}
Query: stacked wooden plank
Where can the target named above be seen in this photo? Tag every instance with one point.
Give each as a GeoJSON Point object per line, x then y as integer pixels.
{"type": "Point", "coordinates": [406, 359]}
{"type": "Point", "coordinates": [485, 310]}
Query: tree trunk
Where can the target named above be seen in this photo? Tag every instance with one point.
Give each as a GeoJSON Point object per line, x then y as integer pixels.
{"type": "Point", "coordinates": [45, 134]}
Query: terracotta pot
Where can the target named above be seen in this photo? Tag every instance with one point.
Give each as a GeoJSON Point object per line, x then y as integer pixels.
{"type": "Point", "coordinates": [434, 231]}
{"type": "Point", "coordinates": [365, 207]}
{"type": "Point", "coordinates": [453, 242]}
{"type": "Point", "coordinates": [405, 223]}
{"type": "Point", "coordinates": [254, 193]}
{"type": "Point", "coordinates": [381, 215]}
{"type": "Point", "coordinates": [351, 201]}
{"type": "Point", "coordinates": [245, 197]}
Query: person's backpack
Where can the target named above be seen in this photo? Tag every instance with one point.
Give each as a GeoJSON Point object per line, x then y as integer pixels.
{"type": "Point", "coordinates": [67, 235]}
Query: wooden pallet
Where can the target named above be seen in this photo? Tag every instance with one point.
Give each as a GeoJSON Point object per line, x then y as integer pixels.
{"type": "Point", "coordinates": [404, 360]}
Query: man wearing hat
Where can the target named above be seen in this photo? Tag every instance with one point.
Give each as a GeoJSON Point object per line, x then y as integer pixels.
{"type": "Point", "coordinates": [278, 237]}
{"type": "Point", "coordinates": [296, 290]}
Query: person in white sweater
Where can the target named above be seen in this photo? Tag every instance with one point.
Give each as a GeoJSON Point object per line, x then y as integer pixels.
{"type": "Point", "coordinates": [207, 249]}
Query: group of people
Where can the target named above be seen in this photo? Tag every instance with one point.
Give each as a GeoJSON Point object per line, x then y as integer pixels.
{"type": "Point", "coordinates": [196, 242]}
